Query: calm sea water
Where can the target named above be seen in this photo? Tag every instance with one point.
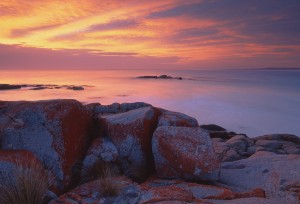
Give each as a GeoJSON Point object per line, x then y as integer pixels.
{"type": "Point", "coordinates": [251, 102]}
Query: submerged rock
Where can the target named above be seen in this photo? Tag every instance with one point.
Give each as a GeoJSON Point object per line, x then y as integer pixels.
{"type": "Point", "coordinates": [187, 153]}
{"type": "Point", "coordinates": [38, 88]}
{"type": "Point", "coordinates": [76, 88]}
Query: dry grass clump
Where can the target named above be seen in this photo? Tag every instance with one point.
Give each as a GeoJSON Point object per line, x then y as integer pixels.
{"type": "Point", "coordinates": [109, 187]}
{"type": "Point", "coordinates": [100, 169]}
{"type": "Point", "coordinates": [27, 184]}
{"type": "Point", "coordinates": [103, 171]}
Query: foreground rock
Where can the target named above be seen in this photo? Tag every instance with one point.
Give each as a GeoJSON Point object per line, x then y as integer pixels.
{"type": "Point", "coordinates": [278, 175]}
{"type": "Point", "coordinates": [182, 152]}
{"type": "Point", "coordinates": [158, 190]}
{"type": "Point", "coordinates": [56, 131]}
{"type": "Point", "coordinates": [131, 133]}
{"type": "Point", "coordinates": [154, 191]}
{"type": "Point", "coordinates": [92, 192]}
{"type": "Point", "coordinates": [142, 142]}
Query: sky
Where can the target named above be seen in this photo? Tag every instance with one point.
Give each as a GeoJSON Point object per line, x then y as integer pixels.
{"type": "Point", "coordinates": [144, 34]}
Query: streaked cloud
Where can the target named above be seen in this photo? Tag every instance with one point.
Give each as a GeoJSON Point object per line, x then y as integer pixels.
{"type": "Point", "coordinates": [190, 34]}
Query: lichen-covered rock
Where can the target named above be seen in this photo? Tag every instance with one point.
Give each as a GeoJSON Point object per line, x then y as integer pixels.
{"type": "Point", "coordinates": [131, 133]}
{"type": "Point", "coordinates": [10, 159]}
{"type": "Point", "coordinates": [166, 193]}
{"type": "Point", "coordinates": [153, 191]}
{"type": "Point", "coordinates": [159, 190]}
{"type": "Point", "coordinates": [184, 152]}
{"type": "Point", "coordinates": [170, 118]}
{"type": "Point", "coordinates": [272, 172]}
{"type": "Point", "coordinates": [128, 192]}
{"type": "Point", "coordinates": [56, 131]}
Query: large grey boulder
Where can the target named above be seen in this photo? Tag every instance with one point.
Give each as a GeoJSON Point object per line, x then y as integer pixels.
{"type": "Point", "coordinates": [56, 131]}
{"type": "Point", "coordinates": [131, 133]}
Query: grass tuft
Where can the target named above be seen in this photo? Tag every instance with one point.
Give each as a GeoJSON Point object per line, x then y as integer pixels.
{"type": "Point", "coordinates": [109, 187]}
{"type": "Point", "coordinates": [100, 169]}
{"type": "Point", "coordinates": [27, 184]}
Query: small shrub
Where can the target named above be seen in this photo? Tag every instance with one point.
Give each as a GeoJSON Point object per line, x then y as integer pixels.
{"type": "Point", "coordinates": [109, 187]}
{"type": "Point", "coordinates": [27, 184]}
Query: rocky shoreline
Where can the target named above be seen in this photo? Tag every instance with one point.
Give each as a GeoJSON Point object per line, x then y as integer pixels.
{"type": "Point", "coordinates": [153, 155]}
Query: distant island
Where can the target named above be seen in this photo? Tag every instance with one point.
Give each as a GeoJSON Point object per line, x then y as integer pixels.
{"type": "Point", "coordinates": [280, 68]}
{"type": "Point", "coordinates": [159, 77]}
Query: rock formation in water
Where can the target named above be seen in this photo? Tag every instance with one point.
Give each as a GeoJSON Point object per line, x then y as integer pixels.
{"type": "Point", "coordinates": [137, 153]}
{"type": "Point", "coordinates": [35, 87]}
{"type": "Point", "coordinates": [159, 77]}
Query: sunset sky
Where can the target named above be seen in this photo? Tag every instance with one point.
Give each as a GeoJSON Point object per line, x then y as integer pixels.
{"type": "Point", "coordinates": [169, 34]}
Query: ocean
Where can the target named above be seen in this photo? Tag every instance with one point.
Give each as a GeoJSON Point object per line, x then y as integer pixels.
{"type": "Point", "coordinates": [254, 102]}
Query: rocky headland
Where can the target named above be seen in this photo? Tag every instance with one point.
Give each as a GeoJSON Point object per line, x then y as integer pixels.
{"type": "Point", "coordinates": [144, 154]}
